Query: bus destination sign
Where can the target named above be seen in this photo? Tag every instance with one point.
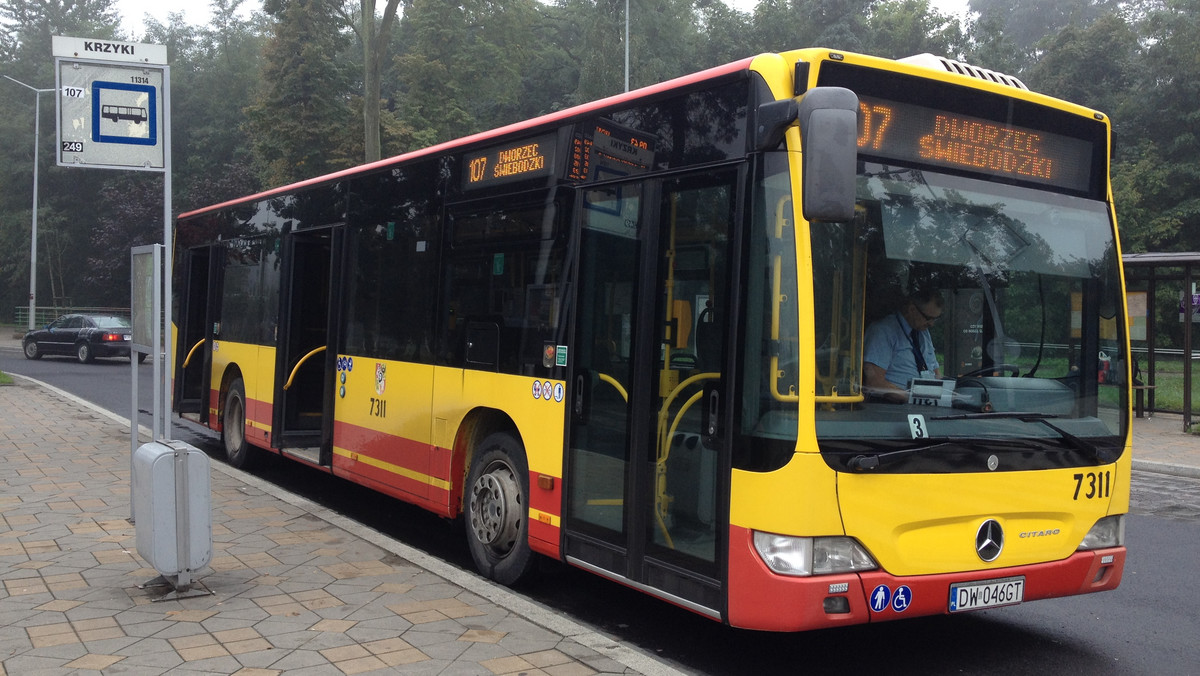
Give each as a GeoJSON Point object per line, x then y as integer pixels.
{"type": "Point", "coordinates": [924, 135]}
{"type": "Point", "coordinates": [529, 158]}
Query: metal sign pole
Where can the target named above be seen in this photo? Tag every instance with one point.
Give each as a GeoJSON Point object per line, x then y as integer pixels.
{"type": "Point", "coordinates": [168, 256]}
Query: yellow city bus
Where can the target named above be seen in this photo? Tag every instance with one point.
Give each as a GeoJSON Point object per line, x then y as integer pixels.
{"type": "Point", "coordinates": [630, 336]}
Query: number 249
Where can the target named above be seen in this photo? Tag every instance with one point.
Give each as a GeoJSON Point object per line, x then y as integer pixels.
{"type": "Point", "coordinates": [1093, 485]}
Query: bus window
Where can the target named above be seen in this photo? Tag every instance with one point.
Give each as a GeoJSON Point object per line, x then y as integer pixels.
{"type": "Point", "coordinates": [504, 285]}
{"type": "Point", "coordinates": [392, 253]}
{"type": "Point", "coordinates": [769, 397]}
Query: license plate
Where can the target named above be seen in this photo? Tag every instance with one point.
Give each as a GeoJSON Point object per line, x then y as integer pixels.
{"type": "Point", "coordinates": [986, 594]}
{"type": "Point", "coordinates": [128, 338]}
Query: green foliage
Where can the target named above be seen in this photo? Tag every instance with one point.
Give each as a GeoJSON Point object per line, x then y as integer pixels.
{"type": "Point", "coordinates": [1026, 23]}
{"type": "Point", "coordinates": [301, 120]}
{"type": "Point", "coordinates": [1091, 65]}
{"type": "Point", "coordinates": [906, 27]}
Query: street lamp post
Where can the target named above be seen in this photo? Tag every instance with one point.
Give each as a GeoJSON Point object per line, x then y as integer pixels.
{"type": "Point", "coordinates": [37, 131]}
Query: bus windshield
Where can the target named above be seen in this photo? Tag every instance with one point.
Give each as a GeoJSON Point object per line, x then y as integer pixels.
{"type": "Point", "coordinates": [989, 322]}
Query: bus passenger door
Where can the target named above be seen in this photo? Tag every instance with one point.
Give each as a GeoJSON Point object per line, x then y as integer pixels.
{"type": "Point", "coordinates": [306, 350]}
{"type": "Point", "coordinates": [200, 299]}
{"type": "Point", "coordinates": [600, 465]}
{"type": "Point", "coordinates": [647, 468]}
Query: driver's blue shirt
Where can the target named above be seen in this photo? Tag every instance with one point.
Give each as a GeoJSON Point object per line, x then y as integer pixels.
{"type": "Point", "coordinates": [888, 346]}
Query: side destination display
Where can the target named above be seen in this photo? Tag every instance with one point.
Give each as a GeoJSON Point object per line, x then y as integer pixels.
{"type": "Point", "coordinates": [528, 158]}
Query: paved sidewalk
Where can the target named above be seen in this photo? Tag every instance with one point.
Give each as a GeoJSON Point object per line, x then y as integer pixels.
{"type": "Point", "coordinates": [1160, 445]}
{"type": "Point", "coordinates": [296, 589]}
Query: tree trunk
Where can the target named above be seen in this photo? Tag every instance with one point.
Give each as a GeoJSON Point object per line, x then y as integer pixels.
{"type": "Point", "coordinates": [370, 83]}
{"type": "Point", "coordinates": [375, 41]}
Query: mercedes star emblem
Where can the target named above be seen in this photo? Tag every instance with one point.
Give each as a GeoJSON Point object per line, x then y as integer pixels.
{"type": "Point", "coordinates": [989, 541]}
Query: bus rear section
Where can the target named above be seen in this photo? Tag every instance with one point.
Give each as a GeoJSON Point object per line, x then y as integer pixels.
{"type": "Point", "coordinates": [996, 471]}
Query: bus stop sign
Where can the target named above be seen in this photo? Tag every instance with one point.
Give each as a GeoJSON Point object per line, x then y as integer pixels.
{"type": "Point", "coordinates": [110, 104]}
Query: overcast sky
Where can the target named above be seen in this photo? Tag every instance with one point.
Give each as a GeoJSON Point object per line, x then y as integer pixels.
{"type": "Point", "coordinates": [196, 11]}
{"type": "Point", "coordinates": [133, 12]}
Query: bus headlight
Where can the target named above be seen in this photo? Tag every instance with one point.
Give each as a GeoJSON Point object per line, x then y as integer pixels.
{"type": "Point", "coordinates": [1108, 532]}
{"type": "Point", "coordinates": [787, 555]}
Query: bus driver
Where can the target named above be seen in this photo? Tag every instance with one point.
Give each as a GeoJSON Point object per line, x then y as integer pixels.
{"type": "Point", "coordinates": [898, 347]}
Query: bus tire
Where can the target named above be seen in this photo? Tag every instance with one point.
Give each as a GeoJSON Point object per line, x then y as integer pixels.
{"type": "Point", "coordinates": [238, 452]}
{"type": "Point", "coordinates": [496, 510]}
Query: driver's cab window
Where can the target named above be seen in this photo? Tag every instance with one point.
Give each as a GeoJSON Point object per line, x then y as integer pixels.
{"type": "Point", "coordinates": [970, 308]}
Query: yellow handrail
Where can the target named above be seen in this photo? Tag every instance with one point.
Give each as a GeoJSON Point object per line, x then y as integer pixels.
{"type": "Point", "coordinates": [663, 435]}
{"type": "Point", "coordinates": [665, 408]}
{"type": "Point", "coordinates": [191, 352]}
{"type": "Point", "coordinates": [839, 399]}
{"type": "Point", "coordinates": [300, 363]}
{"type": "Point", "coordinates": [613, 381]}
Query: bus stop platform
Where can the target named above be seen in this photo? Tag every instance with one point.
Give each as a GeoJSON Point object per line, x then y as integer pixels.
{"type": "Point", "coordinates": [295, 588]}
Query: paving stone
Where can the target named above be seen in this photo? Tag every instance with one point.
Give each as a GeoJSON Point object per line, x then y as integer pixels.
{"type": "Point", "coordinates": [292, 594]}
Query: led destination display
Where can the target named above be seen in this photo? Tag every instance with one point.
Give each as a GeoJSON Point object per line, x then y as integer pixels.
{"type": "Point", "coordinates": [927, 136]}
{"type": "Point", "coordinates": [528, 158]}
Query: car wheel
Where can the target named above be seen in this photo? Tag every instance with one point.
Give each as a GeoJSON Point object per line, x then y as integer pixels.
{"type": "Point", "coordinates": [141, 357]}
{"type": "Point", "coordinates": [31, 350]}
{"type": "Point", "coordinates": [83, 352]}
{"type": "Point", "coordinates": [497, 510]}
{"type": "Point", "coordinates": [238, 452]}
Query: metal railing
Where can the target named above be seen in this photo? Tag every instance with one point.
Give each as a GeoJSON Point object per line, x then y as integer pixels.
{"type": "Point", "coordinates": [43, 315]}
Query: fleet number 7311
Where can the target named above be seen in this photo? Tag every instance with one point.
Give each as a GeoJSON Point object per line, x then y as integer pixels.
{"type": "Point", "coordinates": [1093, 485]}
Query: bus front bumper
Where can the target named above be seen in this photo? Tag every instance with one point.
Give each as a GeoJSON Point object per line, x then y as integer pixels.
{"type": "Point", "coordinates": [763, 600]}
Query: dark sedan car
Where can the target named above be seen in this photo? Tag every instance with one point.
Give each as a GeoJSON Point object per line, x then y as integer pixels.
{"type": "Point", "coordinates": [84, 336]}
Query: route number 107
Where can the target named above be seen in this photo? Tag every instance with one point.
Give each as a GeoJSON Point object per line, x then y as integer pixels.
{"type": "Point", "coordinates": [874, 120]}
{"type": "Point", "coordinates": [1093, 485]}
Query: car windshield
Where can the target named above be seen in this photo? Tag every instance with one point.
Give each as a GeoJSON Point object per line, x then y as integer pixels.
{"type": "Point", "coordinates": [1003, 300]}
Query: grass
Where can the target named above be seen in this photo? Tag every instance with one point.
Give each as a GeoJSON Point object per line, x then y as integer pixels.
{"type": "Point", "coordinates": [1168, 385]}
{"type": "Point", "coordinates": [7, 330]}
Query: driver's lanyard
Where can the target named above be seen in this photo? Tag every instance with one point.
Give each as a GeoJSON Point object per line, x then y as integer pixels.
{"type": "Point", "coordinates": [914, 338]}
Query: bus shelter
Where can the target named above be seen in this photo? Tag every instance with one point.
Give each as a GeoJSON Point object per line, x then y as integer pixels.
{"type": "Point", "coordinates": [1145, 272]}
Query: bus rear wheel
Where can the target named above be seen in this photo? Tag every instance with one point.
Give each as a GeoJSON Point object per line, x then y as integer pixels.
{"type": "Point", "coordinates": [497, 510]}
{"type": "Point", "coordinates": [238, 452]}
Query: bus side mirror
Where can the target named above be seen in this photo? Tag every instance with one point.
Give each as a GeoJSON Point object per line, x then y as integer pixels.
{"type": "Point", "coordinates": [828, 119]}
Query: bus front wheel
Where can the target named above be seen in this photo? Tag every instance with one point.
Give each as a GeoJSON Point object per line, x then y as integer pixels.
{"type": "Point", "coordinates": [233, 426]}
{"type": "Point", "coordinates": [497, 510]}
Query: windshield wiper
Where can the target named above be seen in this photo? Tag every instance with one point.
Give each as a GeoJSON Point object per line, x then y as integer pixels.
{"type": "Point", "coordinates": [1086, 447]}
{"type": "Point", "coordinates": [867, 462]}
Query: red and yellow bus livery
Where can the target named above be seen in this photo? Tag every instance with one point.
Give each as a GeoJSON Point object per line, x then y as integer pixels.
{"type": "Point", "coordinates": [640, 336]}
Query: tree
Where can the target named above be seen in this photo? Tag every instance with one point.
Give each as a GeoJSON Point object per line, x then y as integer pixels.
{"type": "Point", "coordinates": [373, 34]}
{"type": "Point", "coordinates": [299, 122]}
{"type": "Point", "coordinates": [1158, 168]}
{"type": "Point", "coordinates": [65, 214]}
{"type": "Point", "coordinates": [905, 27]}
{"type": "Point", "coordinates": [1027, 22]}
{"type": "Point", "coordinates": [789, 24]}
{"type": "Point", "coordinates": [1090, 65]}
{"type": "Point", "coordinates": [466, 67]}
{"type": "Point", "coordinates": [215, 73]}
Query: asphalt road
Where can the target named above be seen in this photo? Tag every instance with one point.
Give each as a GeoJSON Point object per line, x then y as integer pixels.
{"type": "Point", "coordinates": [1148, 626]}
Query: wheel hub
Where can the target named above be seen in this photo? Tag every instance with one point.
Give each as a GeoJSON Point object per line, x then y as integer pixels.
{"type": "Point", "coordinates": [495, 508]}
